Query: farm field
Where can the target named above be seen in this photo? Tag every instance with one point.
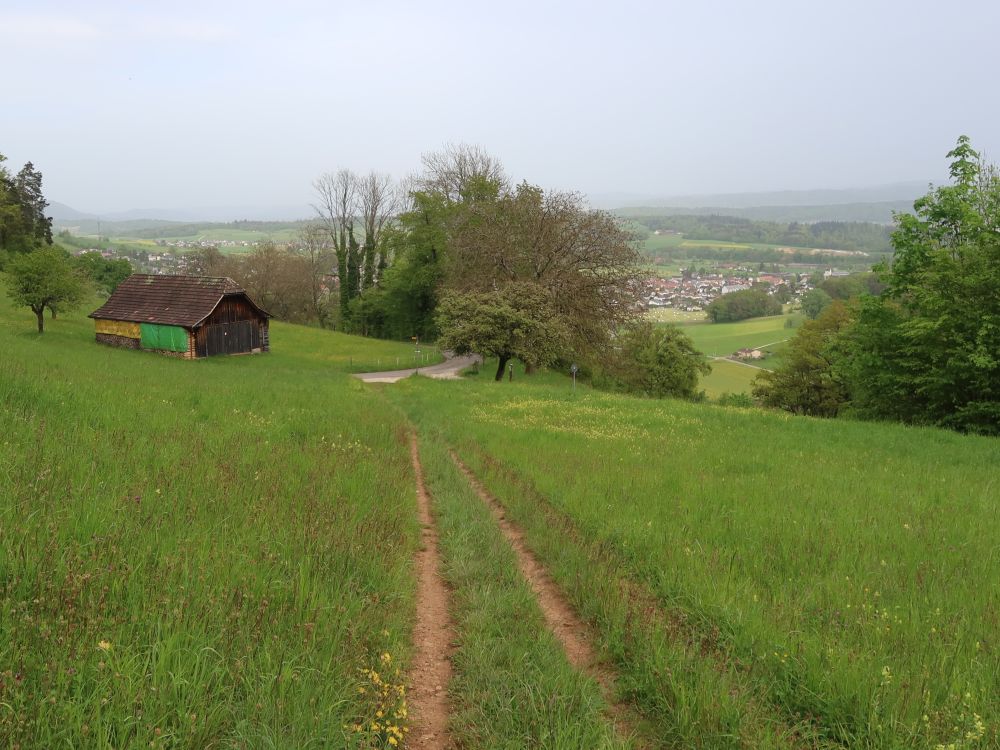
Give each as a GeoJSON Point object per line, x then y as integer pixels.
{"type": "Point", "coordinates": [722, 339]}
{"type": "Point", "coordinates": [727, 376]}
{"type": "Point", "coordinates": [811, 583]}
{"type": "Point", "coordinates": [234, 235]}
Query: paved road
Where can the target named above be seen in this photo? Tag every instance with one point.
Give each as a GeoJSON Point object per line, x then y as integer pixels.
{"type": "Point", "coordinates": [447, 370]}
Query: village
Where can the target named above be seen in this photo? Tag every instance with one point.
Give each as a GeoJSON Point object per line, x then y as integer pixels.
{"type": "Point", "coordinates": [693, 291]}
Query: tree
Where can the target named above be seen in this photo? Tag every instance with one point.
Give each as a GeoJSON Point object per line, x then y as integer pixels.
{"type": "Point", "coordinates": [208, 261]}
{"type": "Point", "coordinates": [517, 321]}
{"type": "Point", "coordinates": [807, 381]}
{"type": "Point", "coordinates": [814, 302]}
{"type": "Point", "coordinates": [279, 280]}
{"type": "Point", "coordinates": [23, 223]}
{"type": "Point", "coordinates": [105, 273]}
{"type": "Point", "coordinates": [927, 351]}
{"type": "Point", "coordinates": [585, 260]}
{"type": "Point", "coordinates": [658, 361]}
{"type": "Point", "coordinates": [44, 278]}
{"type": "Point", "coordinates": [749, 303]}
{"type": "Point", "coordinates": [451, 172]}
{"type": "Point", "coordinates": [337, 208]}
{"type": "Point", "coordinates": [10, 209]}
{"type": "Point", "coordinates": [316, 249]}
{"type": "Point", "coordinates": [406, 299]}
{"type": "Point", "coordinates": [378, 202]}
{"type": "Point", "coordinates": [28, 187]}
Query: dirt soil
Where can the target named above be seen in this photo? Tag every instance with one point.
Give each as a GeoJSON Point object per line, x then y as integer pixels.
{"type": "Point", "coordinates": [433, 633]}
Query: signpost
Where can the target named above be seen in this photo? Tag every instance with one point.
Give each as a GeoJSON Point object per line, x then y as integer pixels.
{"type": "Point", "coordinates": [573, 368]}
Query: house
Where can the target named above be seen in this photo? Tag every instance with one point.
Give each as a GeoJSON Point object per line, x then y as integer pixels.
{"type": "Point", "coordinates": [186, 316]}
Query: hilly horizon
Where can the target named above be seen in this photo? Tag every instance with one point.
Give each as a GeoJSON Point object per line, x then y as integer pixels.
{"type": "Point", "coordinates": [875, 203]}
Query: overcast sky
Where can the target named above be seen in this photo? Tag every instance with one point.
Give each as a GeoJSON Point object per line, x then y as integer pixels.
{"type": "Point", "coordinates": [219, 104]}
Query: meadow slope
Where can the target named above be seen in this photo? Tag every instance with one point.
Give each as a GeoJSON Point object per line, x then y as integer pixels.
{"type": "Point", "coordinates": [220, 554]}
{"type": "Point", "coordinates": [830, 584]}
{"type": "Point", "coordinates": [197, 554]}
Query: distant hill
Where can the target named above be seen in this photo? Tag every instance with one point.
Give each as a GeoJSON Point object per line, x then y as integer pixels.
{"type": "Point", "coordinates": [878, 212]}
{"type": "Point", "coordinates": [64, 215]}
{"type": "Point", "coordinates": [60, 213]}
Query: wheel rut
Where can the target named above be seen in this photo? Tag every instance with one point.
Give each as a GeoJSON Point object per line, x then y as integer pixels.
{"type": "Point", "coordinates": [572, 632]}
{"type": "Point", "coordinates": [433, 633]}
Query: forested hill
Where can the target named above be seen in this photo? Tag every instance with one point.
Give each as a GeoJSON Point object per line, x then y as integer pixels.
{"type": "Point", "coordinates": [879, 212]}
{"type": "Point", "coordinates": [836, 235]}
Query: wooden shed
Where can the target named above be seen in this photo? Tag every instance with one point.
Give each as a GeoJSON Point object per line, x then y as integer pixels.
{"type": "Point", "coordinates": [186, 316]}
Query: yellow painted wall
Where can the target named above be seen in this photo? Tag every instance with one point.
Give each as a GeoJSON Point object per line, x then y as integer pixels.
{"type": "Point", "coordinates": [118, 328]}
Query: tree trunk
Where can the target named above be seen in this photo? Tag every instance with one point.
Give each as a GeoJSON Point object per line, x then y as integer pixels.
{"type": "Point", "coordinates": [529, 368]}
{"type": "Point", "coordinates": [344, 294]}
{"type": "Point", "coordinates": [40, 314]}
{"type": "Point", "coordinates": [503, 364]}
{"type": "Point", "coordinates": [52, 312]}
{"type": "Point", "coordinates": [368, 278]}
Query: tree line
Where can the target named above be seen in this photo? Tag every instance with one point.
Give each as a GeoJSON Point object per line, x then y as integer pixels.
{"type": "Point", "coordinates": [835, 235]}
{"type": "Point", "coordinates": [926, 350]}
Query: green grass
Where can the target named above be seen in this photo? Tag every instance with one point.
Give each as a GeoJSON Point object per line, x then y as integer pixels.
{"type": "Point", "coordinates": [722, 339]}
{"type": "Point", "coordinates": [830, 579]}
{"type": "Point", "coordinates": [512, 685]}
{"type": "Point", "coordinates": [207, 554]}
{"type": "Point", "coordinates": [346, 353]}
{"type": "Point", "coordinates": [727, 377]}
{"type": "Point", "coordinates": [195, 554]}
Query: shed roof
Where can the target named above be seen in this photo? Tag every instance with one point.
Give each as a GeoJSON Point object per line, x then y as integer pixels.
{"type": "Point", "coordinates": [168, 300]}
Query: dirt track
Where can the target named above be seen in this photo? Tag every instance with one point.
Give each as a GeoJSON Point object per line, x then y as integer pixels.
{"type": "Point", "coordinates": [432, 634]}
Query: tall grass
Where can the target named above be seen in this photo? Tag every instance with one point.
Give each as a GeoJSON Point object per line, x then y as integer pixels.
{"type": "Point", "coordinates": [845, 573]}
{"type": "Point", "coordinates": [195, 554]}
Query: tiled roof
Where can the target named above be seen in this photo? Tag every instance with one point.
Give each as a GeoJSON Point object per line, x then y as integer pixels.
{"type": "Point", "coordinates": [168, 300]}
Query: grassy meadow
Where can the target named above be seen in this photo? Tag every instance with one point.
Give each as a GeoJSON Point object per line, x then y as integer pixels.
{"type": "Point", "coordinates": [728, 376]}
{"type": "Point", "coordinates": [197, 554]}
{"type": "Point", "coordinates": [810, 583]}
{"type": "Point", "coordinates": [219, 554]}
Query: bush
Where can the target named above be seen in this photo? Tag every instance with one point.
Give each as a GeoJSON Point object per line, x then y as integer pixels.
{"type": "Point", "coordinates": [750, 303]}
{"type": "Point", "coordinates": [742, 400]}
{"type": "Point", "coordinates": [656, 361]}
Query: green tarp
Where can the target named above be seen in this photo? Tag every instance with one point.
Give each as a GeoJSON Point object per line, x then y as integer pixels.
{"type": "Point", "coordinates": [166, 338]}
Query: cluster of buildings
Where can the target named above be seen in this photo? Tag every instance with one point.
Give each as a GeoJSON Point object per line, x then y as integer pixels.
{"type": "Point", "coordinates": [197, 244]}
{"type": "Point", "coordinates": [143, 262]}
{"type": "Point", "coordinates": [694, 292]}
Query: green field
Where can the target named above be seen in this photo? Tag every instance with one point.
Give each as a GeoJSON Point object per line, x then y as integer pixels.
{"type": "Point", "coordinates": [728, 377]}
{"type": "Point", "coordinates": [195, 554]}
{"type": "Point", "coordinates": [722, 339]}
{"type": "Point", "coordinates": [219, 554]}
{"type": "Point", "coordinates": [812, 583]}
{"type": "Point", "coordinates": [234, 235]}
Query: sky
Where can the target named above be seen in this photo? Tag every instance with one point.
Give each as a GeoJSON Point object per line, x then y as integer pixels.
{"type": "Point", "coordinates": [130, 105]}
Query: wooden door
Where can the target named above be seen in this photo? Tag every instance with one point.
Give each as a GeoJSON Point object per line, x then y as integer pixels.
{"type": "Point", "coordinates": [232, 338]}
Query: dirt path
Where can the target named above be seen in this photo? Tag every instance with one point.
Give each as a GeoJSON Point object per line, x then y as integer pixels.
{"type": "Point", "coordinates": [447, 370]}
{"type": "Point", "coordinates": [432, 634]}
{"type": "Point", "coordinates": [574, 635]}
